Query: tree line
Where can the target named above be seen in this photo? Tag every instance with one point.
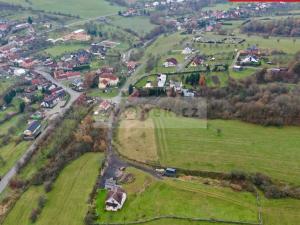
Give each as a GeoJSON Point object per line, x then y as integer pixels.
{"type": "Point", "coordinates": [284, 27]}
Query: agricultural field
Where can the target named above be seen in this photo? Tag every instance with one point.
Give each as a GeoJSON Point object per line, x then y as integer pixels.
{"type": "Point", "coordinates": [223, 146]}
{"type": "Point", "coordinates": [91, 8]}
{"type": "Point", "coordinates": [139, 24]}
{"type": "Point", "coordinates": [60, 49]}
{"type": "Point", "coordinates": [67, 202]}
{"type": "Point", "coordinates": [149, 197]}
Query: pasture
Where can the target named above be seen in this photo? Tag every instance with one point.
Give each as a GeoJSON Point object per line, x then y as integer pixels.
{"type": "Point", "coordinates": [60, 49]}
{"type": "Point", "coordinates": [148, 197]}
{"type": "Point", "coordinates": [140, 24]}
{"type": "Point", "coordinates": [225, 145]}
{"type": "Point", "coordinates": [66, 203]}
{"type": "Point", "coordinates": [90, 8]}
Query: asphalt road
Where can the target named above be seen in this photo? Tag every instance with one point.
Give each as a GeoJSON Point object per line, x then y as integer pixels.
{"type": "Point", "coordinates": [61, 111]}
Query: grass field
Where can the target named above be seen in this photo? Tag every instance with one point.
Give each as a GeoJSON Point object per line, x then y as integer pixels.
{"type": "Point", "coordinates": [90, 8]}
{"type": "Point", "coordinates": [140, 24]}
{"type": "Point", "coordinates": [239, 146]}
{"type": "Point", "coordinates": [58, 50]}
{"type": "Point", "coordinates": [66, 203]}
{"type": "Point", "coordinates": [148, 197]}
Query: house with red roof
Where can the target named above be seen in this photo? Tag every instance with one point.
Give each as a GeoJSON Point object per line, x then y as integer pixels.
{"type": "Point", "coordinates": [107, 79]}
{"type": "Point", "coordinates": [61, 75]}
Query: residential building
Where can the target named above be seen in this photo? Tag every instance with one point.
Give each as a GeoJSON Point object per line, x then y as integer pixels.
{"type": "Point", "coordinates": [170, 62]}
{"type": "Point", "coordinates": [115, 200]}
{"type": "Point", "coordinates": [107, 79]}
{"type": "Point", "coordinates": [33, 130]}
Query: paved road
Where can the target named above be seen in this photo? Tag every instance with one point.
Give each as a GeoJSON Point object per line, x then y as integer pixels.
{"type": "Point", "coordinates": [12, 172]}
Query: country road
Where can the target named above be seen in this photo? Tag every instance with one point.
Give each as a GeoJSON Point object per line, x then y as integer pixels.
{"type": "Point", "coordinates": [73, 96]}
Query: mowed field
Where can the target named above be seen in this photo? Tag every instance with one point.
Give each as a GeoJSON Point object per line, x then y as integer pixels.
{"type": "Point", "coordinates": [149, 197]}
{"type": "Point", "coordinates": [67, 202]}
{"type": "Point", "coordinates": [86, 9]}
{"type": "Point", "coordinates": [140, 24]}
{"type": "Point", "coordinates": [185, 143]}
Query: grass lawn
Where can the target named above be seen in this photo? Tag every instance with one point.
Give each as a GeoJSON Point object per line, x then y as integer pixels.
{"type": "Point", "coordinates": [96, 92]}
{"type": "Point", "coordinates": [240, 146]}
{"type": "Point", "coordinates": [148, 197]}
{"type": "Point", "coordinates": [139, 24]}
{"type": "Point", "coordinates": [66, 203]}
{"type": "Point", "coordinates": [90, 8]}
{"type": "Point", "coordinates": [60, 49]}
{"type": "Point", "coordinates": [142, 82]}
{"type": "Point", "coordinates": [242, 74]}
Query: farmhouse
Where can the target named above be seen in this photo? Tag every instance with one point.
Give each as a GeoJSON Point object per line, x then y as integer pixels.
{"type": "Point", "coordinates": [107, 79]}
{"type": "Point", "coordinates": [115, 200]}
{"type": "Point", "coordinates": [170, 62]}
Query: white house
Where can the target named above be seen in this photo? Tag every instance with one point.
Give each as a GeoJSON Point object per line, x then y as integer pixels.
{"type": "Point", "coordinates": [115, 200]}
{"type": "Point", "coordinates": [249, 60]}
{"type": "Point", "coordinates": [161, 80]}
{"type": "Point", "coordinates": [19, 72]}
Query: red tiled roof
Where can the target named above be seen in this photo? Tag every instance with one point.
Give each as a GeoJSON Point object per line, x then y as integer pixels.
{"type": "Point", "coordinates": [108, 76]}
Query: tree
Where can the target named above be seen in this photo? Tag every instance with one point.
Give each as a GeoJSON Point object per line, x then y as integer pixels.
{"type": "Point", "coordinates": [21, 107]}
{"type": "Point", "coordinates": [130, 89]}
{"type": "Point", "coordinates": [29, 20]}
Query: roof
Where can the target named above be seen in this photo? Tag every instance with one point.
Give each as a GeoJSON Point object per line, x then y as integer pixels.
{"type": "Point", "coordinates": [172, 60]}
{"type": "Point", "coordinates": [33, 125]}
{"type": "Point", "coordinates": [108, 76]}
{"type": "Point", "coordinates": [117, 195]}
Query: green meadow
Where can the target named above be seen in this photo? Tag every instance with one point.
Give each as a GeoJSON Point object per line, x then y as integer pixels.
{"type": "Point", "coordinates": [67, 202]}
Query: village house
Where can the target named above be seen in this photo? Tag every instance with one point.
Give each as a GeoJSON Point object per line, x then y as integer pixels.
{"type": "Point", "coordinates": [170, 62]}
{"type": "Point", "coordinates": [115, 200]}
{"type": "Point", "coordinates": [61, 75]}
{"type": "Point", "coordinates": [105, 106]}
{"type": "Point", "coordinates": [107, 80]}
{"type": "Point", "coordinates": [197, 61]}
{"type": "Point", "coordinates": [131, 66]}
{"type": "Point", "coordinates": [33, 130]}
